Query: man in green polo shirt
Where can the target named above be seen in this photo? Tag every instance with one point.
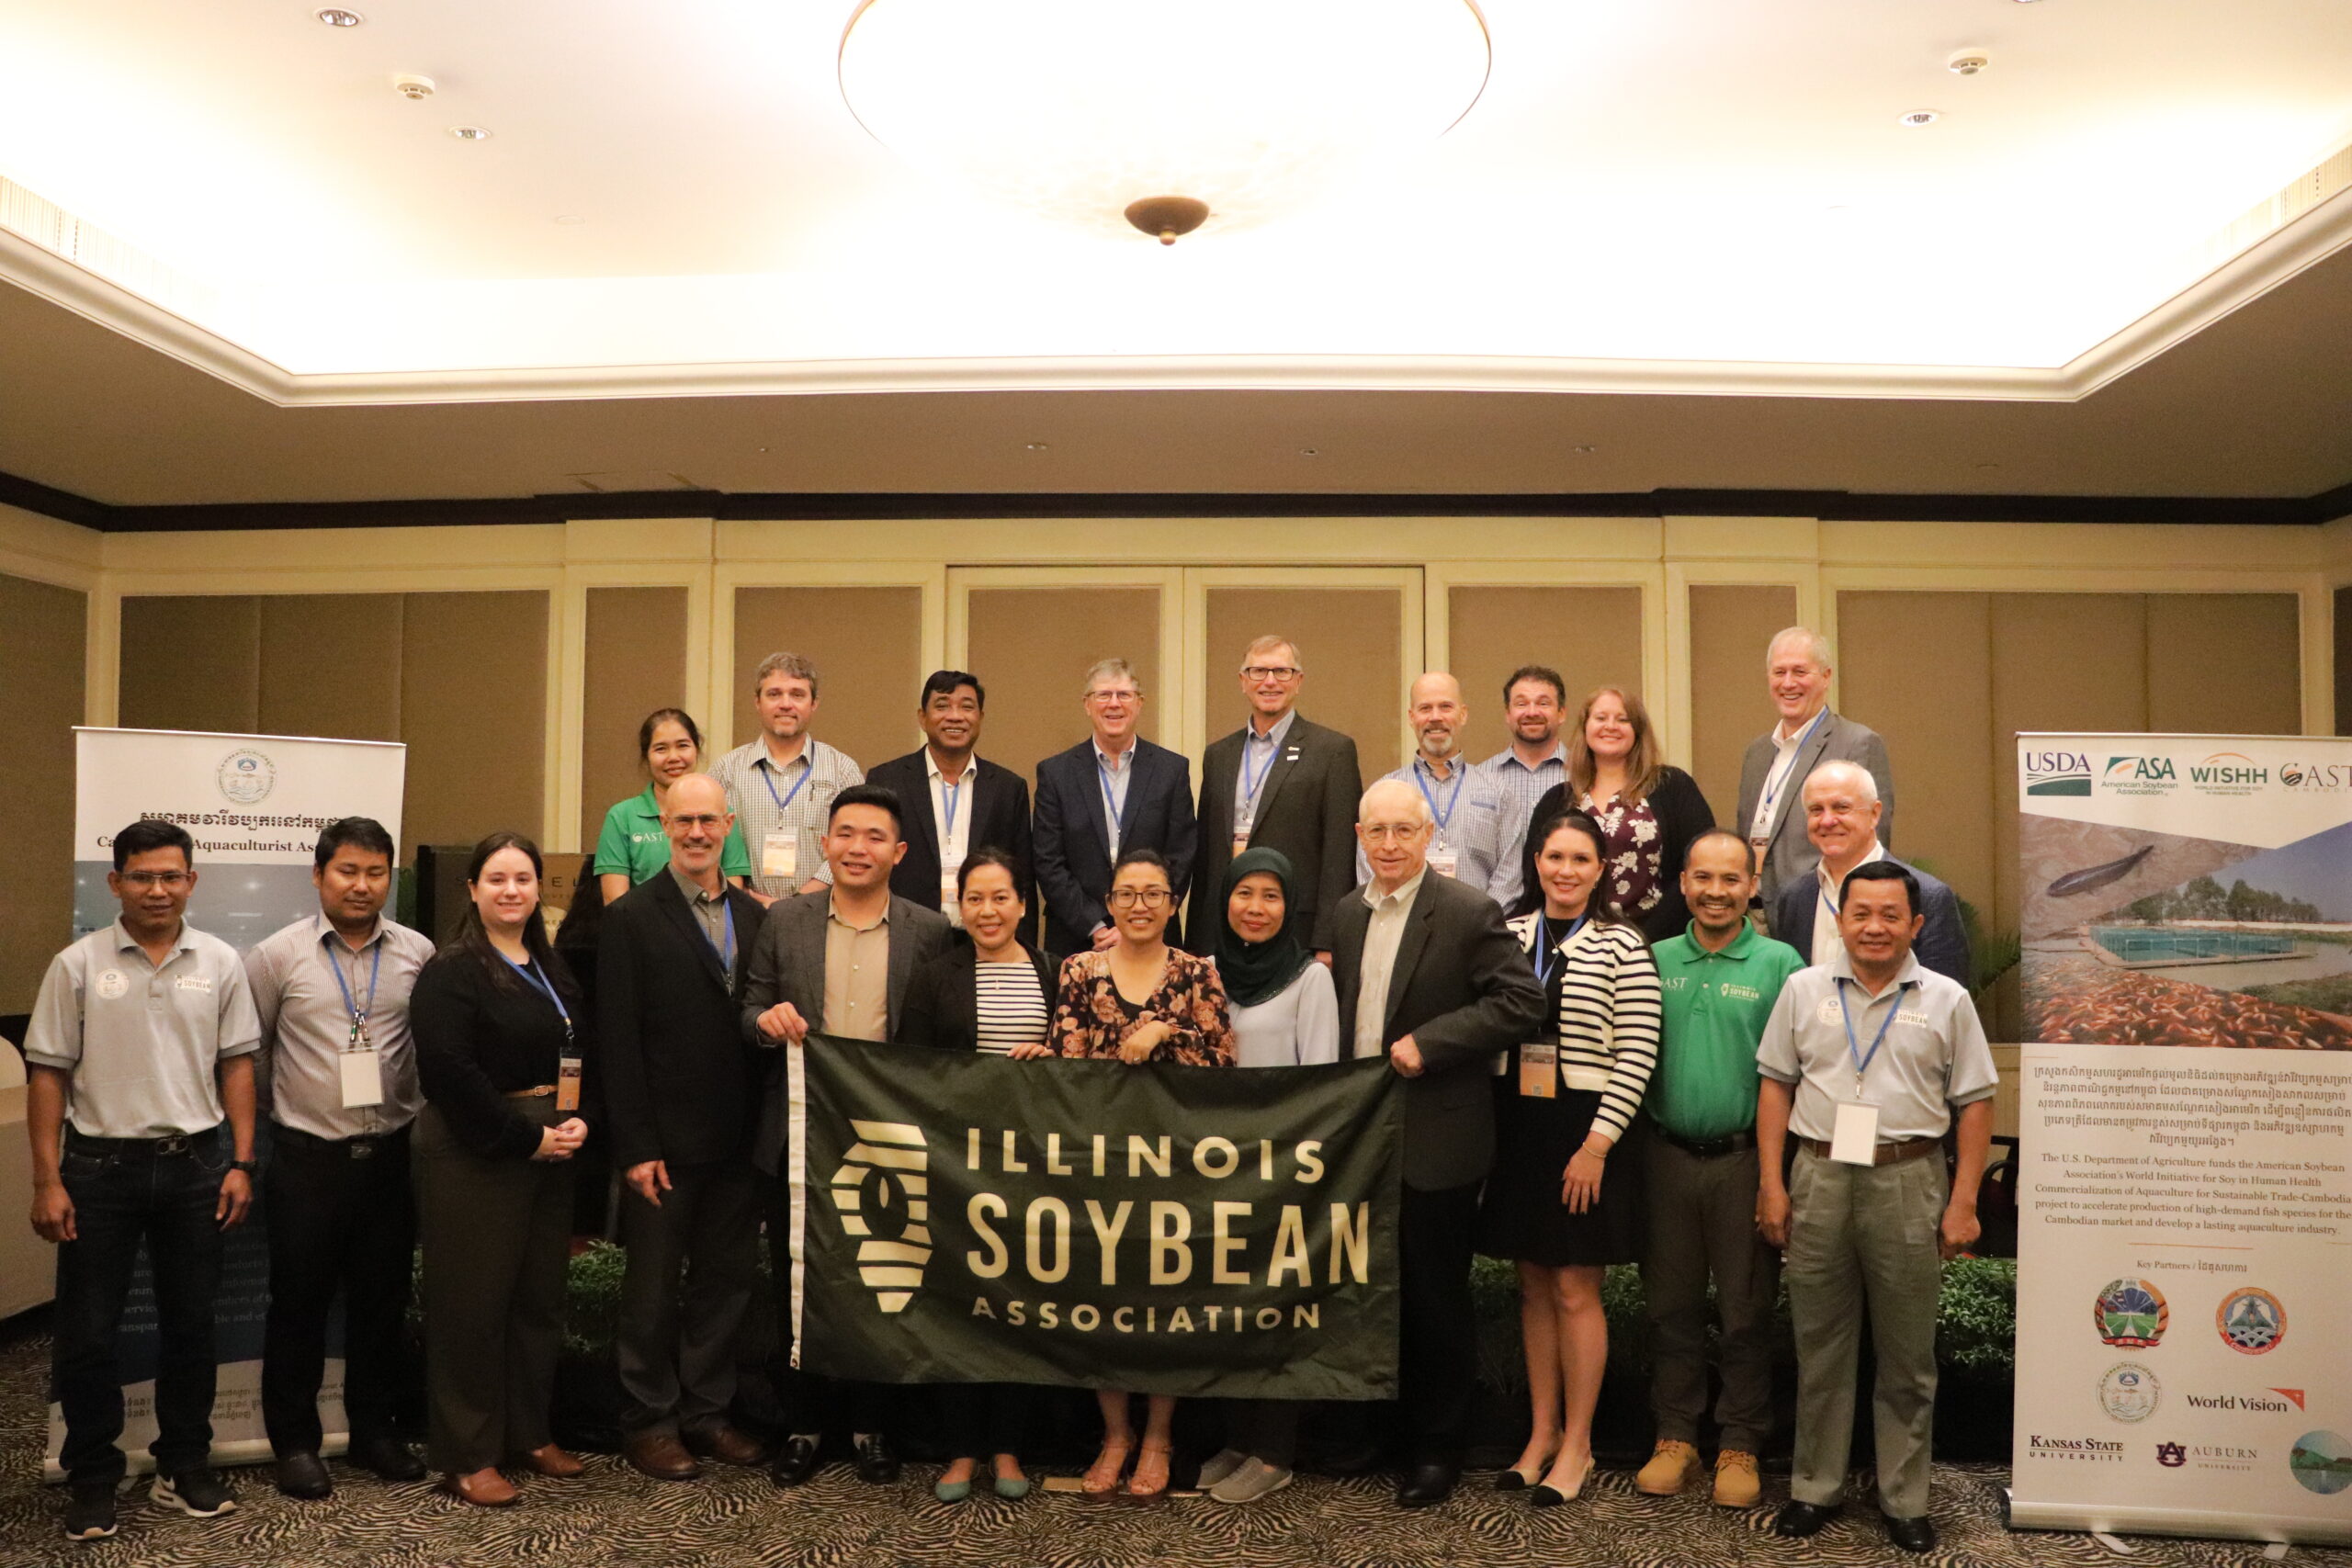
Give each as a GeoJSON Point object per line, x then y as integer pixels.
{"type": "Point", "coordinates": [1719, 980]}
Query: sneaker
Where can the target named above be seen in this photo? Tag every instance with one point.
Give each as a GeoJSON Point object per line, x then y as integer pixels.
{"type": "Point", "coordinates": [198, 1494]}
{"type": "Point", "coordinates": [1222, 1464]}
{"type": "Point", "coordinates": [1253, 1480]}
{"type": "Point", "coordinates": [1736, 1485]}
{"type": "Point", "coordinates": [1673, 1466]}
{"type": "Point", "coordinates": [89, 1511]}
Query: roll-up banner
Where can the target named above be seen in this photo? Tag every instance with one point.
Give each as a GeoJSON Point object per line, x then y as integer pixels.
{"type": "Point", "coordinates": [2185, 1239]}
{"type": "Point", "coordinates": [964, 1218]}
{"type": "Point", "coordinates": [254, 805]}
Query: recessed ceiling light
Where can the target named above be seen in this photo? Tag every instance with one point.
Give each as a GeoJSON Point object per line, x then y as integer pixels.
{"type": "Point", "coordinates": [1582, 451]}
{"type": "Point", "coordinates": [1035, 446]}
{"type": "Point", "coordinates": [1921, 117]}
{"type": "Point", "coordinates": [1308, 452]}
{"type": "Point", "coordinates": [470, 133]}
{"type": "Point", "coordinates": [336, 17]}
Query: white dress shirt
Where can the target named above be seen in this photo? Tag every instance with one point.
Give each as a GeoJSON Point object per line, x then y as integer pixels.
{"type": "Point", "coordinates": [1381, 935]}
{"type": "Point", "coordinates": [1828, 943]}
{"type": "Point", "coordinates": [1776, 781]}
{"type": "Point", "coordinates": [954, 826]}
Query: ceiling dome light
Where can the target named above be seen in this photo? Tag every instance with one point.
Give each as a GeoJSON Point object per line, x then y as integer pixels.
{"type": "Point", "coordinates": [336, 17]}
{"type": "Point", "coordinates": [1160, 115]}
{"type": "Point", "coordinates": [470, 133]}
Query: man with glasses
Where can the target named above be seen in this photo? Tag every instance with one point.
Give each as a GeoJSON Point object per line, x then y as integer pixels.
{"type": "Point", "coordinates": [1279, 783]}
{"type": "Point", "coordinates": [1112, 791]}
{"type": "Point", "coordinates": [1465, 808]}
{"type": "Point", "coordinates": [781, 785]}
{"type": "Point", "coordinates": [141, 1049]}
{"type": "Point", "coordinates": [1536, 702]}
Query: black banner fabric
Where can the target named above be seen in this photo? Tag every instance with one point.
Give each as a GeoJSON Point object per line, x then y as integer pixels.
{"type": "Point", "coordinates": [962, 1218]}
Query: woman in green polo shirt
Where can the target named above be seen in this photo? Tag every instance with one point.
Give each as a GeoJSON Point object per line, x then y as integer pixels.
{"type": "Point", "coordinates": [633, 846]}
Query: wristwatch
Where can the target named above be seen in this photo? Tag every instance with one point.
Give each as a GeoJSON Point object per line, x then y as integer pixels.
{"type": "Point", "coordinates": [248, 1166]}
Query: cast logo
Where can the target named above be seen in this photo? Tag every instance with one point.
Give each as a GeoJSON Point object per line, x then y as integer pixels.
{"type": "Point", "coordinates": [2131, 1314]}
{"type": "Point", "coordinates": [2129, 1392]}
{"type": "Point", "coordinates": [245, 777]}
{"type": "Point", "coordinates": [2251, 1322]}
{"type": "Point", "coordinates": [2172, 1456]}
{"type": "Point", "coordinates": [881, 1189]}
{"type": "Point", "coordinates": [2227, 772]}
{"type": "Point", "coordinates": [2314, 775]}
{"type": "Point", "coordinates": [2057, 772]}
{"type": "Point", "coordinates": [2322, 1463]}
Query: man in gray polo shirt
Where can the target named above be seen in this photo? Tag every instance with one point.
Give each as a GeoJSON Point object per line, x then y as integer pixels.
{"type": "Point", "coordinates": [140, 1047]}
{"type": "Point", "coordinates": [1865, 1060]}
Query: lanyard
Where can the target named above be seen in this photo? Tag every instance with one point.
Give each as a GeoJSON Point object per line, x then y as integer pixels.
{"type": "Point", "coordinates": [948, 794]}
{"type": "Point", "coordinates": [1853, 1050]}
{"type": "Point", "coordinates": [531, 972]}
{"type": "Point", "coordinates": [375, 973]}
{"type": "Point", "coordinates": [1787, 766]}
{"type": "Point", "coordinates": [784, 801]}
{"type": "Point", "coordinates": [1546, 949]}
{"type": "Point", "coordinates": [1445, 817]}
{"type": "Point", "coordinates": [727, 948]}
{"type": "Point", "coordinates": [1250, 786]}
{"type": "Point", "coordinates": [1112, 809]}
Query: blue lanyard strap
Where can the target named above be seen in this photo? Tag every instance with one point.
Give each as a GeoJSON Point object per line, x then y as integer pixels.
{"type": "Point", "coordinates": [767, 777]}
{"type": "Point", "coordinates": [1546, 949]}
{"type": "Point", "coordinates": [948, 794]}
{"type": "Point", "coordinates": [375, 973]}
{"type": "Point", "coordinates": [530, 972]}
{"type": "Point", "coordinates": [1112, 807]}
{"type": "Point", "coordinates": [1445, 819]}
{"type": "Point", "coordinates": [1853, 1048]}
{"type": "Point", "coordinates": [1251, 786]}
{"type": "Point", "coordinates": [726, 948]}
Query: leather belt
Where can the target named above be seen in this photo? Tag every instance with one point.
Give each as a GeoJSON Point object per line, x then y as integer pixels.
{"type": "Point", "coordinates": [534, 1092]}
{"type": "Point", "coordinates": [1709, 1148]}
{"type": "Point", "coordinates": [178, 1143]}
{"type": "Point", "coordinates": [359, 1145]}
{"type": "Point", "coordinates": [1888, 1154]}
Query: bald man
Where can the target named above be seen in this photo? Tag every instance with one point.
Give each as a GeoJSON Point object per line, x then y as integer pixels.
{"type": "Point", "coordinates": [1465, 805]}
{"type": "Point", "coordinates": [1842, 822]}
{"type": "Point", "coordinates": [1429, 976]}
{"type": "Point", "coordinates": [682, 1089]}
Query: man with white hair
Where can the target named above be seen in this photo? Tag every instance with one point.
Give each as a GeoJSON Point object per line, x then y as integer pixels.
{"type": "Point", "coordinates": [1429, 976]}
{"type": "Point", "coordinates": [1796, 672]}
{"type": "Point", "coordinates": [1842, 816]}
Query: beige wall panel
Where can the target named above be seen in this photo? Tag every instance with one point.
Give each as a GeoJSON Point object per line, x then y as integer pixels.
{"type": "Point", "coordinates": [40, 702]}
{"type": "Point", "coordinates": [330, 665]}
{"type": "Point", "coordinates": [1917, 667]}
{"type": "Point", "coordinates": [1029, 646]}
{"type": "Point", "coordinates": [1351, 642]}
{"type": "Point", "coordinates": [191, 661]}
{"type": "Point", "coordinates": [867, 645]}
{"type": "Point", "coordinates": [1592, 636]}
{"type": "Point", "coordinates": [2225, 663]}
{"type": "Point", "coordinates": [1730, 627]}
{"type": "Point", "coordinates": [637, 663]}
{"type": "Point", "coordinates": [473, 711]}
{"type": "Point", "coordinates": [2344, 661]}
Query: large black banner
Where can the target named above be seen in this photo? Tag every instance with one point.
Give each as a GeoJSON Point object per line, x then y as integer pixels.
{"type": "Point", "coordinates": [962, 1218]}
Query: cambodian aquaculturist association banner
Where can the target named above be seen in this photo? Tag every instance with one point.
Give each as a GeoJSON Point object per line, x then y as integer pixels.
{"type": "Point", "coordinates": [2185, 1240]}
{"type": "Point", "coordinates": [254, 805]}
{"type": "Point", "coordinates": [964, 1218]}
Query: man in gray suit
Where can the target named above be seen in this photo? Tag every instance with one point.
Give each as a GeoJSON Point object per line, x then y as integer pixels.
{"type": "Point", "coordinates": [1429, 976]}
{"type": "Point", "coordinates": [836, 962]}
{"type": "Point", "coordinates": [1797, 671]}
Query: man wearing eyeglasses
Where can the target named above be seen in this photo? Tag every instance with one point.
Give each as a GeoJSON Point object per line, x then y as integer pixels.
{"type": "Point", "coordinates": [141, 1049]}
{"type": "Point", "coordinates": [1113, 792]}
{"type": "Point", "coordinates": [1280, 782]}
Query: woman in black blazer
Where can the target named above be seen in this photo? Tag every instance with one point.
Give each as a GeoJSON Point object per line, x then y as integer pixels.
{"type": "Point", "coordinates": [1648, 810]}
{"type": "Point", "coordinates": [987, 993]}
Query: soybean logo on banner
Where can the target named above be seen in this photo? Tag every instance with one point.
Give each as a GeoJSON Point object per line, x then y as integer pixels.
{"type": "Point", "coordinates": [886, 1164]}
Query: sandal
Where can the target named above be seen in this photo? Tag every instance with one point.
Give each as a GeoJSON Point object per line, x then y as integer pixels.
{"type": "Point", "coordinates": [1154, 1455]}
{"type": "Point", "coordinates": [1519, 1478]}
{"type": "Point", "coordinates": [1103, 1475]}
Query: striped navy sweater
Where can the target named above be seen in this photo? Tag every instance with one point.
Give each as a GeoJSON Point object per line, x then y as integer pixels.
{"type": "Point", "coordinates": [1609, 1016]}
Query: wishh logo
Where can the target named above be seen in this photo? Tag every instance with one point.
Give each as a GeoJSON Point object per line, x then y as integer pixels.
{"type": "Point", "coordinates": [883, 1198]}
{"type": "Point", "coordinates": [2057, 772]}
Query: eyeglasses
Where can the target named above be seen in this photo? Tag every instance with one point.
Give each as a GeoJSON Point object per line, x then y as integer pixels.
{"type": "Point", "coordinates": [1113, 696]}
{"type": "Point", "coordinates": [706, 821]}
{"type": "Point", "coordinates": [143, 880]}
{"type": "Point", "coordinates": [1271, 672]}
{"type": "Point", "coordinates": [1391, 833]}
{"type": "Point", "coordinates": [1148, 897]}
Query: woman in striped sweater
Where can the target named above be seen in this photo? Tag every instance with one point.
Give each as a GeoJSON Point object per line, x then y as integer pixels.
{"type": "Point", "coordinates": [1564, 1104]}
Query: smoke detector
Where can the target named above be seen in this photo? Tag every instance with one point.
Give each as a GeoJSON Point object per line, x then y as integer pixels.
{"type": "Point", "coordinates": [411, 87]}
{"type": "Point", "coordinates": [1968, 62]}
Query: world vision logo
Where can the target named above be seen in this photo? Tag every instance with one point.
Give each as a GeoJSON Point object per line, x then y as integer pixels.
{"type": "Point", "coordinates": [883, 1199]}
{"type": "Point", "coordinates": [2139, 775]}
{"type": "Point", "coordinates": [2057, 772]}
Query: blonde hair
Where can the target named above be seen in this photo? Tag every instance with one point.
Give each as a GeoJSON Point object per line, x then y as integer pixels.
{"type": "Point", "coordinates": [1270, 642]}
{"type": "Point", "coordinates": [1102, 667]}
{"type": "Point", "coordinates": [1643, 764]}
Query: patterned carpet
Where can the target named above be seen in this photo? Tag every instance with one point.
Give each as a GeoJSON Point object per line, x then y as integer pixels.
{"type": "Point", "coordinates": [612, 1517]}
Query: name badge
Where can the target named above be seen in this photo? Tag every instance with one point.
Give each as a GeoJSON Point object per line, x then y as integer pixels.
{"type": "Point", "coordinates": [1444, 862]}
{"type": "Point", "coordinates": [363, 1078]}
{"type": "Point", "coordinates": [1539, 1070]}
{"type": "Point", "coordinates": [780, 855]}
{"type": "Point", "coordinates": [1854, 1139]}
{"type": "Point", "coordinates": [1241, 841]}
{"type": "Point", "coordinates": [567, 1084]}
{"type": "Point", "coordinates": [950, 903]}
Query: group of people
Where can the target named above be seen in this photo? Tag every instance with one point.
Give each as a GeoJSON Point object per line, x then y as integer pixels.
{"type": "Point", "coordinates": [1604, 1062]}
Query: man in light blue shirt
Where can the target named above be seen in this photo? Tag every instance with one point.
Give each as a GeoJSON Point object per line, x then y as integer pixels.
{"type": "Point", "coordinates": [1466, 807]}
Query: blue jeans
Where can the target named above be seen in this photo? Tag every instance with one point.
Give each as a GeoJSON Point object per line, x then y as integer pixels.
{"type": "Point", "coordinates": [125, 1194]}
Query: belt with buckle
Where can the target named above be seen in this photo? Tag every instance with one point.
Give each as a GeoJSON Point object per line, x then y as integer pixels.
{"type": "Point", "coordinates": [1710, 1148]}
{"type": "Point", "coordinates": [359, 1145]}
{"type": "Point", "coordinates": [177, 1143]}
{"type": "Point", "coordinates": [1887, 1154]}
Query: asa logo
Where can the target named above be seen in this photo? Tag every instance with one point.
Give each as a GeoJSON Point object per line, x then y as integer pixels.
{"type": "Point", "coordinates": [2140, 769]}
{"type": "Point", "coordinates": [881, 1185]}
{"type": "Point", "coordinates": [2057, 772]}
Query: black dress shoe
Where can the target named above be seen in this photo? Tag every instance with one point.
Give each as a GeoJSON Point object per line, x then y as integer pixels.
{"type": "Point", "coordinates": [877, 1462]}
{"type": "Point", "coordinates": [386, 1457]}
{"type": "Point", "coordinates": [1912, 1535]}
{"type": "Point", "coordinates": [302, 1475]}
{"type": "Point", "coordinates": [1427, 1484]}
{"type": "Point", "coordinates": [1799, 1519]}
{"type": "Point", "coordinates": [796, 1461]}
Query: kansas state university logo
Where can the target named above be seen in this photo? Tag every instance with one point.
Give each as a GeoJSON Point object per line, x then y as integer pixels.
{"type": "Point", "coordinates": [882, 1196]}
{"type": "Point", "coordinates": [2131, 1313]}
{"type": "Point", "coordinates": [2251, 1321]}
{"type": "Point", "coordinates": [2172, 1456]}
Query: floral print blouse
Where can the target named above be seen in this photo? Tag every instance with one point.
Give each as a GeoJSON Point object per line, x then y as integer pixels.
{"type": "Point", "coordinates": [1635, 847]}
{"type": "Point", "coordinates": [1090, 1018]}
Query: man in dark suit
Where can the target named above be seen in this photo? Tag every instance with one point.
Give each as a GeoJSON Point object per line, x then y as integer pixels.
{"type": "Point", "coordinates": [952, 802]}
{"type": "Point", "coordinates": [838, 963]}
{"type": "Point", "coordinates": [1427, 972]}
{"type": "Point", "coordinates": [679, 1085]}
{"type": "Point", "coordinates": [1841, 817]}
{"type": "Point", "coordinates": [1279, 783]}
{"type": "Point", "coordinates": [1112, 791]}
{"type": "Point", "coordinates": [1797, 671]}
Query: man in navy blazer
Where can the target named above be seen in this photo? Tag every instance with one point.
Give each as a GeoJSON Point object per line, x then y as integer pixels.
{"type": "Point", "coordinates": [950, 801]}
{"type": "Point", "coordinates": [1841, 817]}
{"type": "Point", "coordinates": [1112, 791]}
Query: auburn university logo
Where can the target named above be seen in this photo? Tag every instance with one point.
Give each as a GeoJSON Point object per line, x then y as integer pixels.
{"type": "Point", "coordinates": [883, 1199]}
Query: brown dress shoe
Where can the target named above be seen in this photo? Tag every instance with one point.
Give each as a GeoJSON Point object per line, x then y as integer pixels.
{"type": "Point", "coordinates": [727, 1443]}
{"type": "Point", "coordinates": [549, 1460]}
{"type": "Point", "coordinates": [660, 1455]}
{"type": "Point", "coordinates": [484, 1488]}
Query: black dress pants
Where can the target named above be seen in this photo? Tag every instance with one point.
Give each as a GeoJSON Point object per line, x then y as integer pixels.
{"type": "Point", "coordinates": [1438, 1350]}
{"type": "Point", "coordinates": [809, 1401]}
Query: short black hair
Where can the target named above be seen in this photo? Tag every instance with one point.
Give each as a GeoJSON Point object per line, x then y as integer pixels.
{"type": "Point", "coordinates": [1543, 672]}
{"type": "Point", "coordinates": [871, 794]}
{"type": "Point", "coordinates": [1882, 871]}
{"type": "Point", "coordinates": [1140, 856]}
{"type": "Point", "coordinates": [987, 854]}
{"type": "Point", "coordinates": [944, 683]}
{"type": "Point", "coordinates": [148, 834]}
{"type": "Point", "coordinates": [1720, 832]}
{"type": "Point", "coordinates": [351, 832]}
